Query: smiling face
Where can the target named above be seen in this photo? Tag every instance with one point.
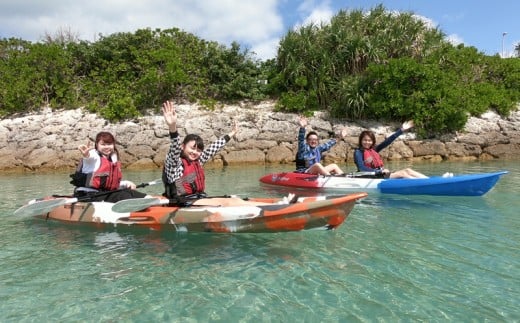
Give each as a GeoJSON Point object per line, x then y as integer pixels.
{"type": "Point", "coordinates": [105, 143]}
{"type": "Point", "coordinates": [367, 139]}
{"type": "Point", "coordinates": [105, 148]}
{"type": "Point", "coordinates": [312, 139]}
{"type": "Point", "coordinates": [191, 151]}
{"type": "Point", "coordinates": [367, 142]}
{"type": "Point", "coordinates": [192, 147]}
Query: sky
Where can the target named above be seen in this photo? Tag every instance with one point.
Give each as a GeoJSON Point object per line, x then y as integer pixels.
{"type": "Point", "coordinates": [256, 25]}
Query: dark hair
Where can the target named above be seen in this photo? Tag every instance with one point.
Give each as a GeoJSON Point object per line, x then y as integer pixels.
{"type": "Point", "coordinates": [311, 133]}
{"type": "Point", "coordinates": [367, 133]}
{"type": "Point", "coordinates": [108, 138]}
{"type": "Point", "coordinates": [198, 141]}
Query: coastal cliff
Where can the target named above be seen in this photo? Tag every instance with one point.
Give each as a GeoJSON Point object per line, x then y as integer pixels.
{"type": "Point", "coordinates": [48, 140]}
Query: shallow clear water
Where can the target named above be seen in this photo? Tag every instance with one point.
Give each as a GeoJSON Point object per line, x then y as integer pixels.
{"type": "Point", "coordinates": [396, 258]}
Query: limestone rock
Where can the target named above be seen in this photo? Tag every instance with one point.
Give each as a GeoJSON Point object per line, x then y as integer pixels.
{"type": "Point", "coordinates": [50, 139]}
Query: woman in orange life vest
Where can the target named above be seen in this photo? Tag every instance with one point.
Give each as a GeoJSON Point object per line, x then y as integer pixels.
{"type": "Point", "coordinates": [100, 170]}
{"type": "Point", "coordinates": [367, 156]}
{"type": "Point", "coordinates": [183, 175]}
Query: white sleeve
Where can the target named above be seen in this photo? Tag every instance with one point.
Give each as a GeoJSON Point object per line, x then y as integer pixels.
{"type": "Point", "coordinates": [91, 163]}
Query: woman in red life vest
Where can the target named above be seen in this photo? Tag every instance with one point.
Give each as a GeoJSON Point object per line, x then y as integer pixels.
{"type": "Point", "coordinates": [100, 170]}
{"type": "Point", "coordinates": [183, 175]}
{"type": "Point", "coordinates": [367, 157]}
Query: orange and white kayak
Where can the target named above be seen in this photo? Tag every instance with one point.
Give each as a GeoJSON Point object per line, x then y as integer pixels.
{"type": "Point", "coordinates": [317, 212]}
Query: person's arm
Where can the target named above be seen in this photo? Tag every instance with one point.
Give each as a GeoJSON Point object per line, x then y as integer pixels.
{"type": "Point", "coordinates": [91, 163]}
{"type": "Point", "coordinates": [217, 145]}
{"type": "Point", "coordinates": [407, 125]}
{"type": "Point", "coordinates": [172, 164]}
{"type": "Point", "coordinates": [326, 146]}
{"type": "Point", "coordinates": [213, 149]}
{"type": "Point", "coordinates": [388, 140]}
{"type": "Point", "coordinates": [302, 145]}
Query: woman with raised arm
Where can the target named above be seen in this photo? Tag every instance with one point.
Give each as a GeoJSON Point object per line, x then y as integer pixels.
{"type": "Point", "coordinates": [367, 157]}
{"type": "Point", "coordinates": [183, 175]}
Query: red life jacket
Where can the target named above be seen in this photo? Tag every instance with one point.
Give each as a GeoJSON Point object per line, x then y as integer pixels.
{"type": "Point", "coordinates": [192, 180]}
{"type": "Point", "coordinates": [107, 177]}
{"type": "Point", "coordinates": [372, 159]}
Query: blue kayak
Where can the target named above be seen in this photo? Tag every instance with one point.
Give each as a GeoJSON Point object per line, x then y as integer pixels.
{"type": "Point", "coordinates": [461, 185]}
{"type": "Point", "coordinates": [458, 185]}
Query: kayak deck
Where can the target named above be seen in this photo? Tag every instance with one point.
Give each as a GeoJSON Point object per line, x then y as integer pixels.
{"type": "Point", "coordinates": [320, 212]}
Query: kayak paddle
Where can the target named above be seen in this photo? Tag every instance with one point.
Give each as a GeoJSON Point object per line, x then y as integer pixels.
{"type": "Point", "coordinates": [360, 174]}
{"type": "Point", "coordinates": [134, 205]}
{"type": "Point", "coordinates": [139, 204]}
{"type": "Point", "coordinates": [45, 206]}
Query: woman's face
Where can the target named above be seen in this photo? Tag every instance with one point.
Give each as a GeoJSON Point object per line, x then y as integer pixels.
{"type": "Point", "coordinates": [367, 142]}
{"type": "Point", "coordinates": [190, 150]}
{"type": "Point", "coordinates": [106, 149]}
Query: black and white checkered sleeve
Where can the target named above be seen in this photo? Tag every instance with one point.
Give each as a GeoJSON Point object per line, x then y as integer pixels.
{"type": "Point", "coordinates": [173, 167]}
{"type": "Point", "coordinates": [213, 148]}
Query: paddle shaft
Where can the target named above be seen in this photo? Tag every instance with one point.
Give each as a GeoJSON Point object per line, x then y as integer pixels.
{"type": "Point", "coordinates": [98, 194]}
{"type": "Point", "coordinates": [45, 206]}
{"type": "Point", "coordinates": [134, 205]}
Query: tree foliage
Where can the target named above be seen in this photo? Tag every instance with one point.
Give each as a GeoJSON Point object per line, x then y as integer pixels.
{"type": "Point", "coordinates": [390, 66]}
{"type": "Point", "coordinates": [122, 75]}
{"type": "Point", "coordinates": [371, 64]}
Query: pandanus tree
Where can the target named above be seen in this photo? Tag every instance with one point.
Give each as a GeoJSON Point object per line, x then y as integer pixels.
{"type": "Point", "coordinates": [318, 64]}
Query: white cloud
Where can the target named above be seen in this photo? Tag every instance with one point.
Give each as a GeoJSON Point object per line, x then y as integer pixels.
{"type": "Point", "coordinates": [427, 21]}
{"type": "Point", "coordinates": [267, 49]}
{"type": "Point", "coordinates": [254, 24]}
{"type": "Point", "coordinates": [319, 16]}
{"type": "Point", "coordinates": [454, 39]}
{"type": "Point", "coordinates": [314, 13]}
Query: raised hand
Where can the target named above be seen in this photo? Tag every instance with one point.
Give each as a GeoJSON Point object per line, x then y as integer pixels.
{"type": "Point", "coordinates": [407, 125]}
{"type": "Point", "coordinates": [344, 132]}
{"type": "Point", "coordinates": [170, 116]}
{"type": "Point", "coordinates": [303, 122]}
{"type": "Point", "coordinates": [234, 130]}
{"type": "Point", "coordinates": [84, 149]}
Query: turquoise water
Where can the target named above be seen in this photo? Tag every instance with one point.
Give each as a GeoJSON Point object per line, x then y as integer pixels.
{"type": "Point", "coordinates": [396, 258]}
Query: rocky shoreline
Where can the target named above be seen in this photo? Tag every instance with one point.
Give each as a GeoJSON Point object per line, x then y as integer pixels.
{"type": "Point", "coordinates": [48, 141]}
